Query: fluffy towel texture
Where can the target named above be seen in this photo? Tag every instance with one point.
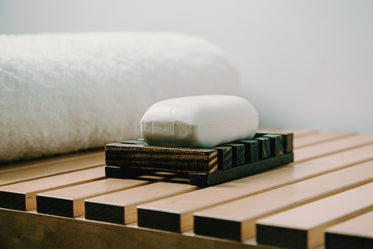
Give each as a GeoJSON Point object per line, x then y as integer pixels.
{"type": "Point", "coordinates": [64, 92]}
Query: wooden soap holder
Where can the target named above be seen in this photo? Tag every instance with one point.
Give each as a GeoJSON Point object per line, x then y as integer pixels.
{"type": "Point", "coordinates": [200, 167]}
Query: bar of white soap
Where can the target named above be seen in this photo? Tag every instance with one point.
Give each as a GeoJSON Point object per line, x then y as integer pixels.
{"type": "Point", "coordinates": [199, 121]}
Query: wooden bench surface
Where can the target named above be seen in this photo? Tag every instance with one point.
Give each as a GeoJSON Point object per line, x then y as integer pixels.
{"type": "Point", "coordinates": [321, 200]}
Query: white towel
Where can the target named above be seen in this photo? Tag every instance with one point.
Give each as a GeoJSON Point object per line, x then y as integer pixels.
{"type": "Point", "coordinates": [65, 92]}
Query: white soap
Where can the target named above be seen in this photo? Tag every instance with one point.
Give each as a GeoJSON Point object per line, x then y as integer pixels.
{"type": "Point", "coordinates": [199, 121]}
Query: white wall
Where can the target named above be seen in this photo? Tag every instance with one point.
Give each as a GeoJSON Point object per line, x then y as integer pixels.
{"type": "Point", "coordinates": [303, 63]}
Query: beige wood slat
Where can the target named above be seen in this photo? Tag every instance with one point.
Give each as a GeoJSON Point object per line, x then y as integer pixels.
{"type": "Point", "coordinates": [87, 155]}
{"type": "Point", "coordinates": [320, 138]}
{"type": "Point", "coordinates": [297, 132]}
{"type": "Point", "coordinates": [22, 196]}
{"type": "Point", "coordinates": [236, 220]}
{"type": "Point", "coordinates": [301, 132]}
{"type": "Point", "coordinates": [328, 148]}
{"type": "Point", "coordinates": [304, 226]}
{"type": "Point", "coordinates": [175, 213]}
{"type": "Point", "coordinates": [120, 207]}
{"type": "Point", "coordinates": [69, 201]}
{"type": "Point", "coordinates": [25, 230]}
{"type": "Point", "coordinates": [50, 167]}
{"type": "Point", "coordinates": [353, 233]}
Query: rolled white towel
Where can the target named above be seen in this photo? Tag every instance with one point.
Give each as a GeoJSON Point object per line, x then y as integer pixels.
{"type": "Point", "coordinates": [64, 92]}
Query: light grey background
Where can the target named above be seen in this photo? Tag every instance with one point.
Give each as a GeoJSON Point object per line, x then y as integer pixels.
{"type": "Point", "coordinates": [304, 64]}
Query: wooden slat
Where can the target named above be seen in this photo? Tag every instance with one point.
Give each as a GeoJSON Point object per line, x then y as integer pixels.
{"type": "Point", "coordinates": [224, 157]}
{"type": "Point", "coordinates": [277, 146]}
{"type": "Point", "coordinates": [251, 150]}
{"type": "Point", "coordinates": [120, 207]}
{"type": "Point", "coordinates": [22, 196]}
{"type": "Point", "coordinates": [238, 153]}
{"type": "Point", "coordinates": [69, 201]}
{"type": "Point", "coordinates": [331, 147]}
{"type": "Point", "coordinates": [173, 159]}
{"type": "Point", "coordinates": [175, 213]}
{"type": "Point", "coordinates": [287, 138]}
{"type": "Point", "coordinates": [353, 233]}
{"type": "Point", "coordinates": [302, 132]}
{"type": "Point", "coordinates": [241, 215]}
{"type": "Point", "coordinates": [218, 177]}
{"type": "Point", "coordinates": [72, 158]}
{"type": "Point", "coordinates": [319, 138]}
{"type": "Point", "coordinates": [48, 168]}
{"type": "Point", "coordinates": [264, 147]}
{"type": "Point", "coordinates": [304, 226]}
{"type": "Point", "coordinates": [24, 230]}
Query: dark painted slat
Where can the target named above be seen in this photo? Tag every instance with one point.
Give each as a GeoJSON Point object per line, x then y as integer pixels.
{"type": "Point", "coordinates": [238, 153]}
{"type": "Point", "coordinates": [251, 150]}
{"type": "Point", "coordinates": [204, 180]}
{"type": "Point", "coordinates": [264, 145]}
{"type": "Point", "coordinates": [276, 144]}
{"type": "Point", "coordinates": [224, 157]}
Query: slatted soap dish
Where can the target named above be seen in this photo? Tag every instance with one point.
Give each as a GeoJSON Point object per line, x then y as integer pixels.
{"type": "Point", "coordinates": [200, 167]}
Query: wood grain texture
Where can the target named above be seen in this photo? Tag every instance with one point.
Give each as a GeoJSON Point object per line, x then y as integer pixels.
{"type": "Point", "coordinates": [120, 207]}
{"type": "Point", "coordinates": [277, 146]}
{"type": "Point", "coordinates": [287, 137]}
{"type": "Point", "coordinates": [264, 147]}
{"type": "Point", "coordinates": [238, 153]}
{"type": "Point", "coordinates": [147, 175]}
{"type": "Point", "coordinates": [304, 226]}
{"type": "Point", "coordinates": [48, 167]}
{"type": "Point", "coordinates": [243, 213]}
{"type": "Point", "coordinates": [220, 176]}
{"type": "Point", "coordinates": [186, 204]}
{"type": "Point", "coordinates": [331, 147]}
{"type": "Point", "coordinates": [251, 150]}
{"type": "Point", "coordinates": [224, 157]}
{"type": "Point", "coordinates": [69, 202]}
{"type": "Point", "coordinates": [162, 158]}
{"type": "Point", "coordinates": [320, 137]}
{"type": "Point", "coordinates": [22, 196]}
{"type": "Point", "coordinates": [353, 233]}
{"type": "Point", "coordinates": [48, 161]}
{"type": "Point", "coordinates": [24, 230]}
{"type": "Point", "coordinates": [269, 149]}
